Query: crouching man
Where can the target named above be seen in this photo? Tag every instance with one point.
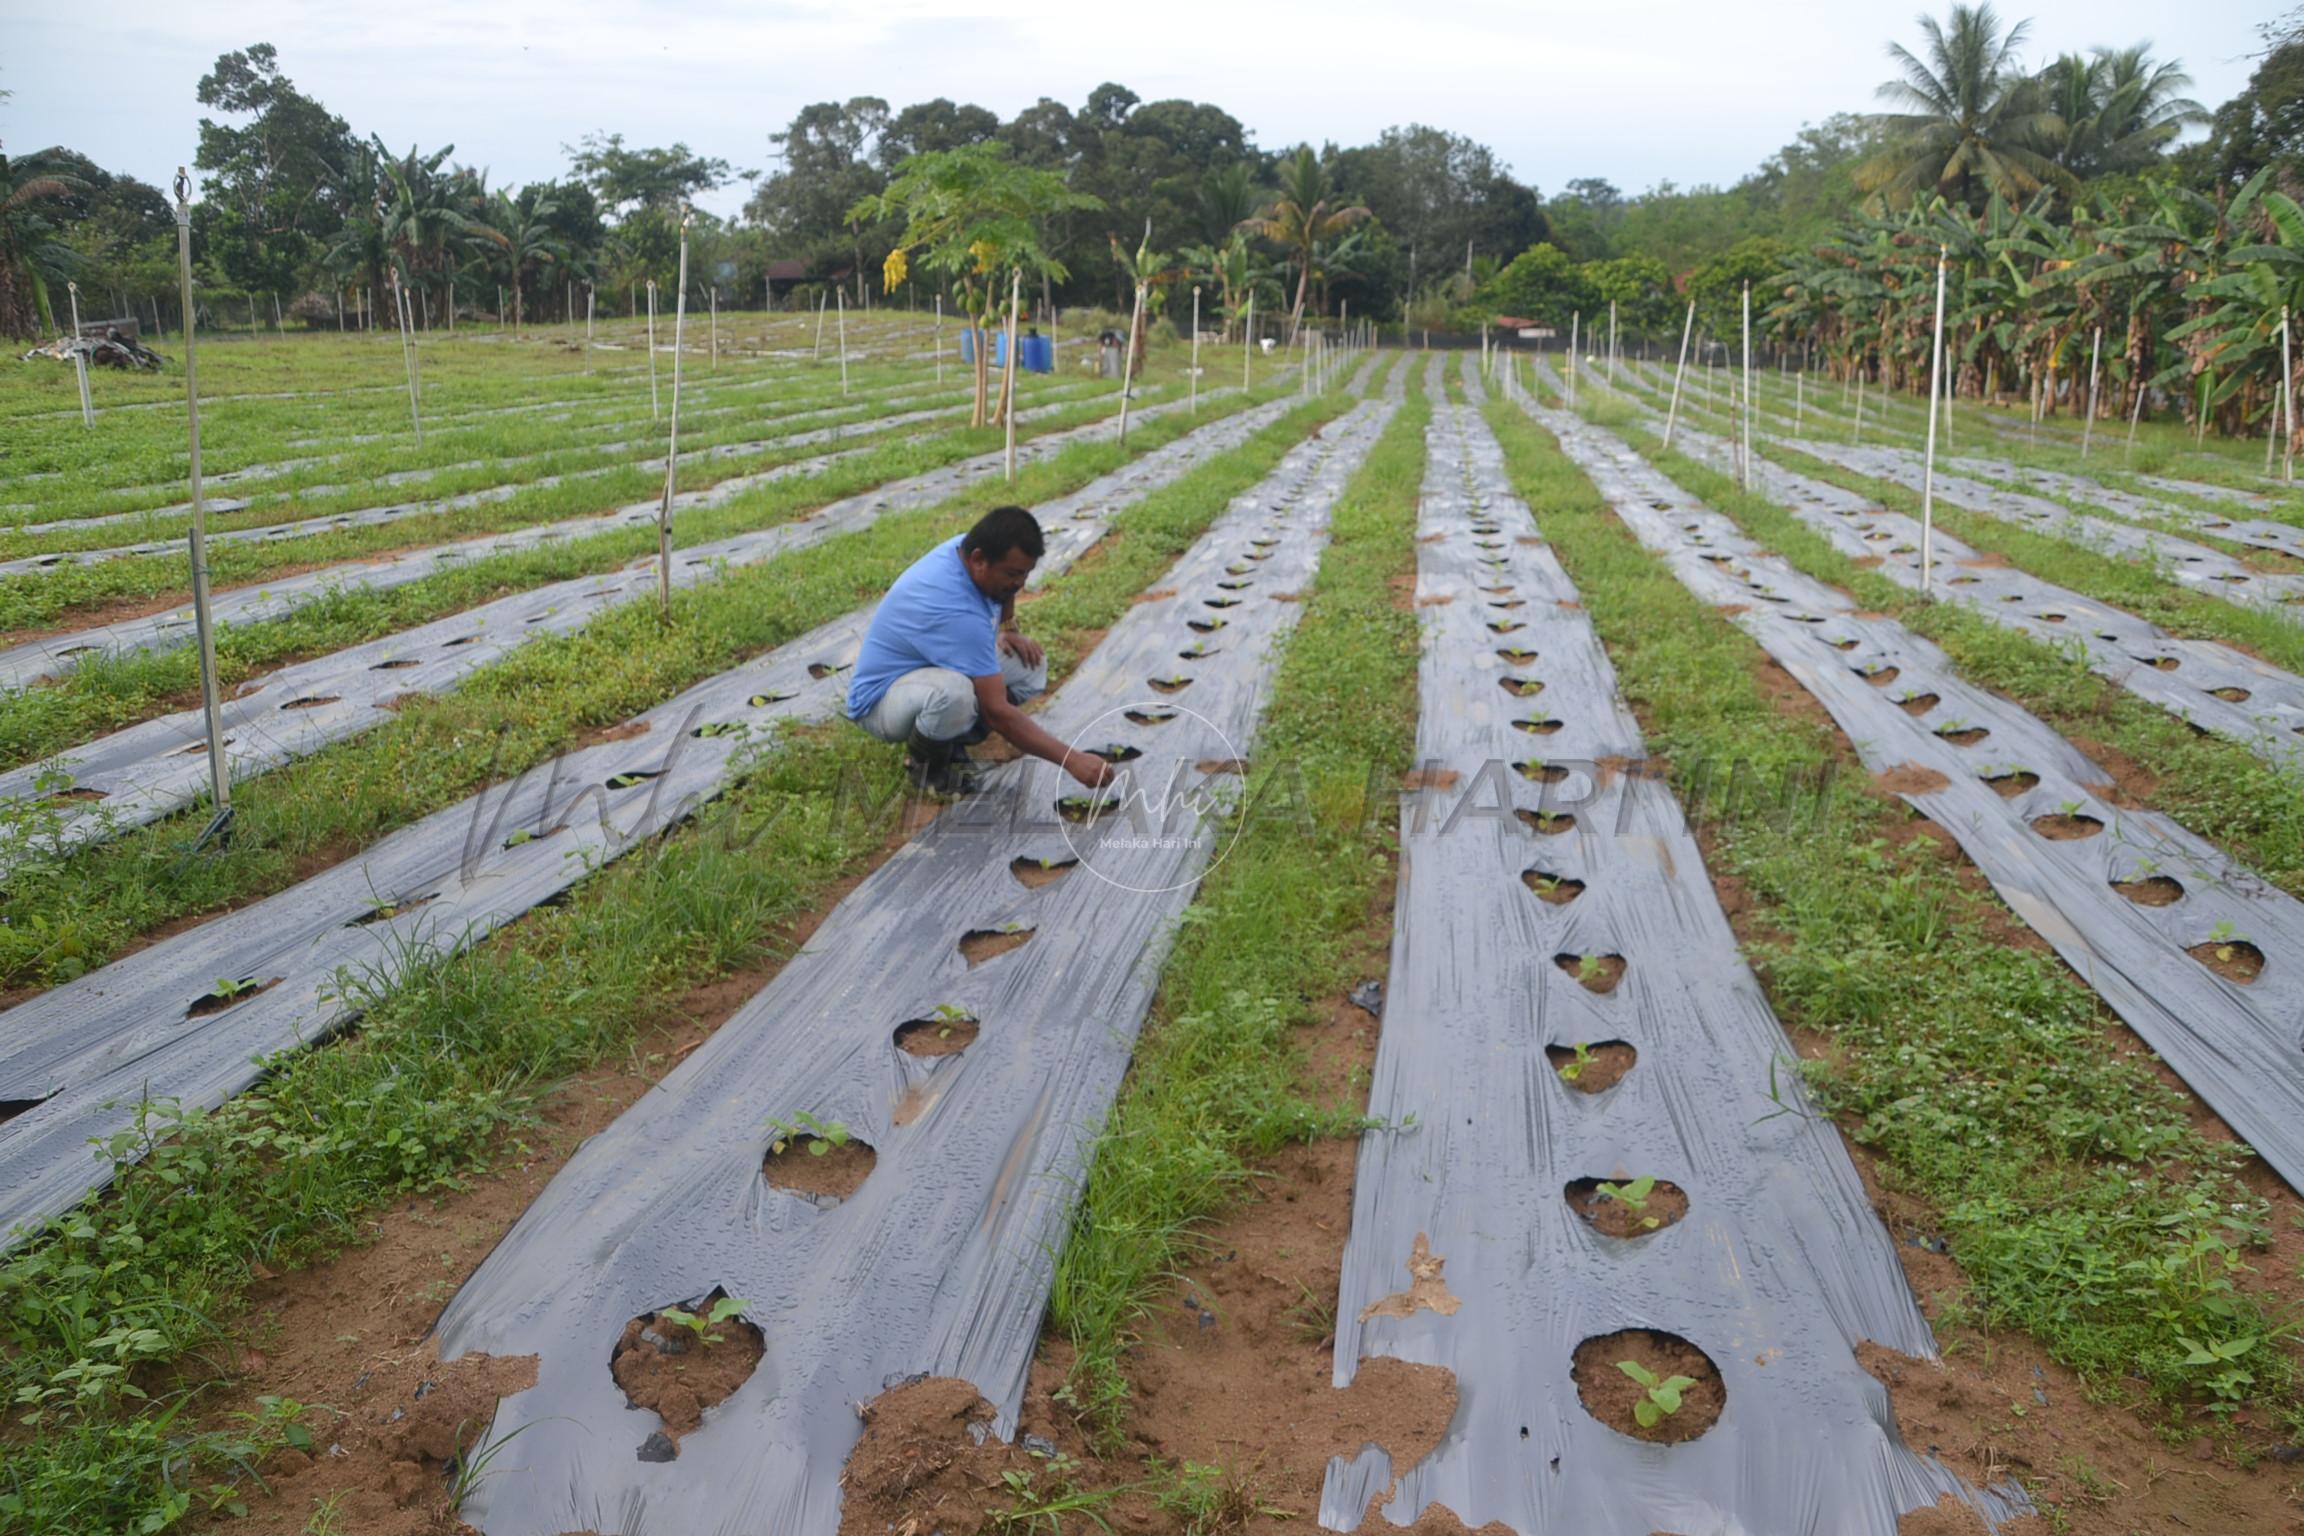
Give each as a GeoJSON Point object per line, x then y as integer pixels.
{"type": "Point", "coordinates": [943, 667]}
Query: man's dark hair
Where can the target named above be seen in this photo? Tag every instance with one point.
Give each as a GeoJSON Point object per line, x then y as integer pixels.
{"type": "Point", "coordinates": [1001, 530]}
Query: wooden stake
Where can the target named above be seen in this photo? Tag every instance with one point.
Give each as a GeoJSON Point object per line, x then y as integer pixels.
{"type": "Point", "coordinates": [1127, 362]}
{"type": "Point", "coordinates": [2095, 356]}
{"type": "Point", "coordinates": [672, 441]}
{"type": "Point", "coordinates": [219, 777]}
{"type": "Point", "coordinates": [1015, 368]}
{"type": "Point", "coordinates": [1672, 416]}
{"type": "Point", "coordinates": [1928, 465]}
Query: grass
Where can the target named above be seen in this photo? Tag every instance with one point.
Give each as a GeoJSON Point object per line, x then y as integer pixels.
{"type": "Point", "coordinates": [2077, 1199]}
{"type": "Point", "coordinates": [443, 1076]}
{"type": "Point", "coordinates": [1217, 1080]}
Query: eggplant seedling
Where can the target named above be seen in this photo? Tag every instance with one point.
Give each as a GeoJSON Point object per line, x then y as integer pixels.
{"type": "Point", "coordinates": [1660, 1395]}
{"type": "Point", "coordinates": [1572, 1070]}
{"type": "Point", "coordinates": [820, 1136]}
{"type": "Point", "coordinates": [701, 1326]}
{"type": "Point", "coordinates": [2223, 936]}
{"type": "Point", "coordinates": [1635, 1196]}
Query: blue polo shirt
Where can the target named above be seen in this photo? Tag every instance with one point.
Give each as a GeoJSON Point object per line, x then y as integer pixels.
{"type": "Point", "coordinates": [933, 616]}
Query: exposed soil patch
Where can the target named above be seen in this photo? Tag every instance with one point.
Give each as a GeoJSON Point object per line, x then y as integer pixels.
{"type": "Point", "coordinates": [1539, 727]}
{"type": "Point", "coordinates": [2236, 960]}
{"type": "Point", "coordinates": [630, 730]}
{"type": "Point", "coordinates": [1599, 1068]}
{"type": "Point", "coordinates": [1427, 1287]}
{"type": "Point", "coordinates": [77, 795]}
{"type": "Point", "coordinates": [1611, 1395]}
{"type": "Point", "coordinates": [676, 1372]}
{"type": "Point", "coordinates": [2151, 890]}
{"type": "Point", "coordinates": [1617, 1214]}
{"type": "Point", "coordinates": [1435, 600]}
{"type": "Point", "coordinates": [1156, 595]}
{"type": "Point", "coordinates": [1879, 677]}
{"type": "Point", "coordinates": [936, 1037]}
{"type": "Point", "coordinates": [2009, 785]}
{"type": "Point", "coordinates": [1430, 778]}
{"type": "Point", "coordinates": [2066, 827]}
{"type": "Point", "coordinates": [2232, 695]}
{"type": "Point", "coordinates": [1558, 890]}
{"type": "Point", "coordinates": [1964, 736]}
{"type": "Point", "coordinates": [228, 994]}
{"type": "Point", "coordinates": [821, 1177]}
{"type": "Point", "coordinates": [1918, 704]}
{"type": "Point", "coordinates": [1040, 872]}
{"type": "Point", "coordinates": [978, 945]}
{"type": "Point", "coordinates": [314, 701]}
{"type": "Point", "coordinates": [1545, 823]}
{"type": "Point", "coordinates": [1594, 973]}
{"type": "Point", "coordinates": [1911, 779]}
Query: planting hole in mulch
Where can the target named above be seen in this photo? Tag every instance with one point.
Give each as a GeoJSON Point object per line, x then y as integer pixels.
{"type": "Point", "coordinates": [1119, 752]}
{"type": "Point", "coordinates": [1149, 716]}
{"type": "Point", "coordinates": [818, 1161]}
{"type": "Point", "coordinates": [1515, 655]}
{"type": "Point", "coordinates": [390, 910]}
{"type": "Point", "coordinates": [978, 945]}
{"type": "Point", "coordinates": [677, 1368]}
{"type": "Point", "coordinates": [1080, 809]}
{"type": "Point", "coordinates": [1592, 1068]}
{"type": "Point", "coordinates": [1843, 645]}
{"type": "Point", "coordinates": [820, 670]}
{"type": "Point", "coordinates": [197, 748]}
{"type": "Point", "coordinates": [1917, 704]}
{"type": "Point", "coordinates": [2231, 695]}
{"type": "Point", "coordinates": [2066, 826]}
{"type": "Point", "coordinates": [1036, 873]}
{"type": "Point", "coordinates": [1674, 1369]}
{"type": "Point", "coordinates": [227, 993]}
{"type": "Point", "coordinates": [2236, 960]}
{"type": "Point", "coordinates": [763, 700]}
{"type": "Point", "coordinates": [1548, 823]}
{"type": "Point", "coordinates": [68, 796]}
{"type": "Point", "coordinates": [1962, 736]}
{"type": "Point", "coordinates": [1504, 627]}
{"type": "Point", "coordinates": [2012, 783]}
{"type": "Point", "coordinates": [1521, 687]}
{"type": "Point", "coordinates": [1538, 727]}
{"type": "Point", "coordinates": [2159, 663]}
{"type": "Point", "coordinates": [1624, 1207]}
{"type": "Point", "coordinates": [947, 1034]}
{"type": "Point", "coordinates": [2151, 890]}
{"type": "Point", "coordinates": [1559, 890]}
{"type": "Point", "coordinates": [1877, 676]}
{"type": "Point", "coordinates": [1204, 626]}
{"type": "Point", "coordinates": [1537, 771]}
{"type": "Point", "coordinates": [314, 701]}
{"type": "Point", "coordinates": [1911, 779]}
{"type": "Point", "coordinates": [1176, 683]}
{"type": "Point", "coordinates": [401, 665]}
{"type": "Point", "coordinates": [1594, 973]}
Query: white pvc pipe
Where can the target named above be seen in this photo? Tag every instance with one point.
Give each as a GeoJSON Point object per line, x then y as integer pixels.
{"type": "Point", "coordinates": [1195, 385]}
{"type": "Point", "coordinates": [672, 443]}
{"type": "Point", "coordinates": [1127, 362]}
{"type": "Point", "coordinates": [1679, 373]}
{"type": "Point", "coordinates": [1928, 463]}
{"type": "Point", "coordinates": [655, 411]}
{"type": "Point", "coordinates": [2288, 394]}
{"type": "Point", "coordinates": [1014, 381]}
{"type": "Point", "coordinates": [841, 295]}
{"type": "Point", "coordinates": [80, 360]}
{"type": "Point", "coordinates": [2095, 357]}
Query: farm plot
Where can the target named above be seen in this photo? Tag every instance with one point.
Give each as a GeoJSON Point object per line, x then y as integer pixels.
{"type": "Point", "coordinates": [1590, 1068]}
{"type": "Point", "coordinates": [2172, 933]}
{"type": "Point", "coordinates": [937, 1261]}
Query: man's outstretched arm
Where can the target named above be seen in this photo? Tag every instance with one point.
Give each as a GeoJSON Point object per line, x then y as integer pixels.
{"type": "Point", "coordinates": [1018, 729]}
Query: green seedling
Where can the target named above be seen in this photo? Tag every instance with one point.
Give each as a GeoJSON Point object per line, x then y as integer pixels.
{"type": "Point", "coordinates": [702, 1326]}
{"type": "Point", "coordinates": [1572, 1070]}
{"type": "Point", "coordinates": [2224, 936]}
{"type": "Point", "coordinates": [1661, 1395]}
{"type": "Point", "coordinates": [2068, 807]}
{"type": "Point", "coordinates": [227, 989]}
{"type": "Point", "coordinates": [1635, 1196]}
{"type": "Point", "coordinates": [1588, 967]}
{"type": "Point", "coordinates": [821, 1136]}
{"type": "Point", "coordinates": [950, 1016]}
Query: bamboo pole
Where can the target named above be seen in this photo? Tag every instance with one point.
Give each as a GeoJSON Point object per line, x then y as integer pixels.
{"type": "Point", "coordinates": [672, 442]}
{"type": "Point", "coordinates": [1195, 410]}
{"type": "Point", "coordinates": [655, 411]}
{"type": "Point", "coordinates": [2288, 395]}
{"type": "Point", "coordinates": [1612, 344]}
{"type": "Point", "coordinates": [1672, 416]}
{"type": "Point", "coordinates": [1248, 342]}
{"type": "Point", "coordinates": [2135, 414]}
{"type": "Point", "coordinates": [1928, 463]}
{"type": "Point", "coordinates": [1127, 363]}
{"type": "Point", "coordinates": [80, 360]}
{"type": "Point", "coordinates": [1015, 368]}
{"type": "Point", "coordinates": [1575, 322]}
{"type": "Point", "coordinates": [822, 301]}
{"type": "Point", "coordinates": [2095, 358]}
{"type": "Point", "coordinates": [841, 294]}
{"type": "Point", "coordinates": [939, 338]}
{"type": "Point", "coordinates": [408, 355]}
{"type": "Point", "coordinates": [1744, 437]}
{"type": "Point", "coordinates": [219, 778]}
{"type": "Point", "coordinates": [715, 327]}
{"type": "Point", "coordinates": [591, 295]}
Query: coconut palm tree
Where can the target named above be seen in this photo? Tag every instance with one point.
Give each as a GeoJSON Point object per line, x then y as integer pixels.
{"type": "Point", "coordinates": [1974, 122]}
{"type": "Point", "coordinates": [1306, 213]}
{"type": "Point", "coordinates": [528, 240]}
{"type": "Point", "coordinates": [2120, 108]}
{"type": "Point", "coordinates": [30, 253]}
{"type": "Point", "coordinates": [1226, 198]}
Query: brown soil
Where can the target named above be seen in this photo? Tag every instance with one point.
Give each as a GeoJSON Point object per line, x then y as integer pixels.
{"type": "Point", "coordinates": [936, 1037]}
{"type": "Point", "coordinates": [1545, 823]}
{"type": "Point", "coordinates": [1594, 973]}
{"type": "Point", "coordinates": [1881, 677]}
{"type": "Point", "coordinates": [1427, 1287]}
{"type": "Point", "coordinates": [1605, 1064]}
{"type": "Point", "coordinates": [213, 1001]}
{"type": "Point", "coordinates": [1730, 610]}
{"type": "Point", "coordinates": [314, 701]}
{"type": "Point", "coordinates": [1430, 778]}
{"type": "Point", "coordinates": [1433, 538]}
{"type": "Point", "coordinates": [1169, 684]}
{"type": "Point", "coordinates": [1985, 560]}
{"type": "Point", "coordinates": [1664, 1205]}
{"type": "Point", "coordinates": [2151, 890]}
{"type": "Point", "coordinates": [1221, 765]}
{"type": "Point", "coordinates": [1918, 704]}
{"type": "Point", "coordinates": [978, 945]}
{"type": "Point", "coordinates": [630, 730]}
{"type": "Point", "coordinates": [63, 796]}
{"type": "Point", "coordinates": [1555, 889]}
{"type": "Point", "coordinates": [1286, 597]}
{"type": "Point", "coordinates": [1036, 873]}
{"type": "Point", "coordinates": [821, 1178]}
{"type": "Point", "coordinates": [665, 1368]}
{"type": "Point", "coordinates": [1910, 779]}
{"type": "Point", "coordinates": [1156, 595]}
{"type": "Point", "coordinates": [2062, 828]}
{"type": "Point", "coordinates": [1435, 600]}
{"type": "Point", "coordinates": [2232, 695]}
{"type": "Point", "coordinates": [1609, 1395]}
{"type": "Point", "coordinates": [1539, 727]}
{"type": "Point", "coordinates": [1528, 539]}
{"type": "Point", "coordinates": [2235, 960]}
{"type": "Point", "coordinates": [1966, 736]}
{"type": "Point", "coordinates": [2009, 785]}
{"type": "Point", "coordinates": [1516, 655]}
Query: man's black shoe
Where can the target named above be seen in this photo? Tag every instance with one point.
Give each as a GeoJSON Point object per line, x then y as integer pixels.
{"type": "Point", "coordinates": [941, 767]}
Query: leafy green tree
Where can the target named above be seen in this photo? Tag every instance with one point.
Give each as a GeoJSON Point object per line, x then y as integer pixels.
{"type": "Point", "coordinates": [1641, 289]}
{"type": "Point", "coordinates": [830, 167]}
{"type": "Point", "coordinates": [1717, 287]}
{"type": "Point", "coordinates": [529, 241]}
{"type": "Point", "coordinates": [1974, 122]}
{"type": "Point", "coordinates": [31, 256]}
{"type": "Point", "coordinates": [2264, 124]}
{"type": "Point", "coordinates": [624, 178]}
{"type": "Point", "coordinates": [2120, 109]}
{"type": "Point", "coordinates": [1540, 284]}
{"type": "Point", "coordinates": [1306, 212]}
{"type": "Point", "coordinates": [265, 212]}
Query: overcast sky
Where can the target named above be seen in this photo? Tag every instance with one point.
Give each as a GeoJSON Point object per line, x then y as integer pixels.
{"type": "Point", "coordinates": [1689, 91]}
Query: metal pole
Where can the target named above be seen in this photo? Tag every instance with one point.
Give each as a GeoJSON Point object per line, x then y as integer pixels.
{"type": "Point", "coordinates": [1928, 467]}
{"type": "Point", "coordinates": [672, 443]}
{"type": "Point", "coordinates": [655, 413]}
{"type": "Point", "coordinates": [80, 360]}
{"type": "Point", "coordinates": [1195, 350]}
{"type": "Point", "coordinates": [842, 295]}
{"type": "Point", "coordinates": [2088, 428]}
{"type": "Point", "coordinates": [1016, 368]}
{"type": "Point", "coordinates": [1128, 363]}
{"type": "Point", "coordinates": [219, 780]}
{"type": "Point", "coordinates": [1672, 416]}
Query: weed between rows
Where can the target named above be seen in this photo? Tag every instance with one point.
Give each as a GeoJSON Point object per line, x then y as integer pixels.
{"type": "Point", "coordinates": [2074, 1194]}
{"type": "Point", "coordinates": [1217, 1080]}
{"type": "Point", "coordinates": [108, 1316]}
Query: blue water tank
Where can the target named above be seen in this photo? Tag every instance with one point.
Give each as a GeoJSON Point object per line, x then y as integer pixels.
{"type": "Point", "coordinates": [1039, 352]}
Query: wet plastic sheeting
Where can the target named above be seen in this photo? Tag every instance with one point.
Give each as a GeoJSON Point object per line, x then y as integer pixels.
{"type": "Point", "coordinates": [89, 1050]}
{"type": "Point", "coordinates": [159, 766]}
{"type": "Point", "coordinates": [2210, 685]}
{"type": "Point", "coordinates": [1779, 1267]}
{"type": "Point", "coordinates": [940, 1262]}
{"type": "Point", "coordinates": [2260, 533]}
{"type": "Point", "coordinates": [2239, 1045]}
{"type": "Point", "coordinates": [2190, 564]}
{"type": "Point", "coordinates": [58, 654]}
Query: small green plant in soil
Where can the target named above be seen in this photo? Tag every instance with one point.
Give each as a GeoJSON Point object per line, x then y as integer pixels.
{"type": "Point", "coordinates": [950, 1016]}
{"type": "Point", "coordinates": [1634, 1196]}
{"type": "Point", "coordinates": [1660, 1397]}
{"type": "Point", "coordinates": [1570, 1071]}
{"type": "Point", "coordinates": [821, 1136]}
{"type": "Point", "coordinates": [2224, 936]}
{"type": "Point", "coordinates": [703, 1325]}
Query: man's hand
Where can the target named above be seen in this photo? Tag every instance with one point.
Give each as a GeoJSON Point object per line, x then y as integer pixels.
{"type": "Point", "coordinates": [1090, 768]}
{"type": "Point", "coordinates": [1024, 650]}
